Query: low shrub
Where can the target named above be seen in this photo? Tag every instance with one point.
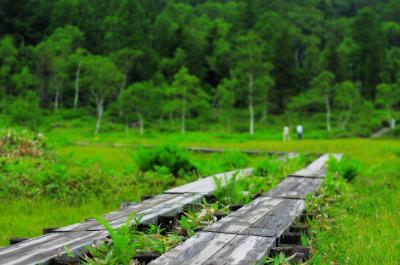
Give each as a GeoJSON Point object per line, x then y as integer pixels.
{"type": "Point", "coordinates": [156, 182]}
{"type": "Point", "coordinates": [175, 159]}
{"type": "Point", "coordinates": [24, 110]}
{"type": "Point", "coordinates": [21, 143]}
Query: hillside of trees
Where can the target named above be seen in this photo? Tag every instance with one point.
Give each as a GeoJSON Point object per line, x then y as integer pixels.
{"type": "Point", "coordinates": [142, 61]}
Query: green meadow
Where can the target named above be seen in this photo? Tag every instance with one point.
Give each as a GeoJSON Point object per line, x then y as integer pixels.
{"type": "Point", "coordinates": [364, 227]}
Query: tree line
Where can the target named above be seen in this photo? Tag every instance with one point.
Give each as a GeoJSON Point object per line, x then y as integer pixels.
{"type": "Point", "coordinates": [144, 60]}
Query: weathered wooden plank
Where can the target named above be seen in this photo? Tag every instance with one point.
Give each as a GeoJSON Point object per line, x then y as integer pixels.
{"type": "Point", "coordinates": [265, 216]}
{"type": "Point", "coordinates": [218, 248]}
{"type": "Point", "coordinates": [122, 213]}
{"type": "Point", "coordinates": [243, 250]}
{"type": "Point", "coordinates": [278, 220]}
{"type": "Point", "coordinates": [149, 216]}
{"type": "Point", "coordinates": [317, 169]}
{"type": "Point", "coordinates": [42, 249]}
{"type": "Point", "coordinates": [296, 187]}
{"type": "Point", "coordinates": [207, 185]}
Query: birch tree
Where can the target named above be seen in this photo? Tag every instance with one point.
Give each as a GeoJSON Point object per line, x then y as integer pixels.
{"type": "Point", "coordinates": [102, 78]}
{"type": "Point", "coordinates": [75, 60]}
{"type": "Point", "coordinates": [52, 58]}
{"type": "Point", "coordinates": [187, 93]}
{"type": "Point", "coordinates": [124, 59]}
{"type": "Point", "coordinates": [347, 97]}
{"type": "Point", "coordinates": [252, 72]}
{"type": "Point", "coordinates": [226, 100]}
{"type": "Point", "coordinates": [322, 86]}
{"type": "Point", "coordinates": [139, 102]}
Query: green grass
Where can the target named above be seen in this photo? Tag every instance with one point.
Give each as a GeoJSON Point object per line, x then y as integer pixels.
{"type": "Point", "coordinates": [366, 221]}
{"type": "Point", "coordinates": [27, 217]}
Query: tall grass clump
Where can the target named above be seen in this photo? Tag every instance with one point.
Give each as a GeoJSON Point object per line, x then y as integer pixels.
{"type": "Point", "coordinates": [348, 168]}
{"type": "Point", "coordinates": [231, 190]}
{"type": "Point", "coordinates": [173, 158]}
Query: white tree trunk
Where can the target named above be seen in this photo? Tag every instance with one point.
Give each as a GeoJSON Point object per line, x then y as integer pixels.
{"type": "Point", "coordinates": [251, 108]}
{"type": "Point", "coordinates": [77, 77]}
{"type": "Point", "coordinates": [328, 113]}
{"type": "Point", "coordinates": [100, 110]}
{"type": "Point", "coordinates": [141, 124]}
{"type": "Point", "coordinates": [347, 118]}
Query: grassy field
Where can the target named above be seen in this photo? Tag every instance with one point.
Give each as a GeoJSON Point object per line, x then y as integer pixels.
{"type": "Point", "coordinates": [366, 220]}
{"type": "Point", "coordinates": [366, 228]}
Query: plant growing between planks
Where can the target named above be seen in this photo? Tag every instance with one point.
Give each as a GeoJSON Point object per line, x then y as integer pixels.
{"type": "Point", "coordinates": [127, 241]}
{"type": "Point", "coordinates": [321, 205]}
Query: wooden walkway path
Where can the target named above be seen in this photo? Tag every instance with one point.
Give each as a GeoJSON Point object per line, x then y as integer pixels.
{"type": "Point", "coordinates": [247, 235]}
{"type": "Point", "coordinates": [75, 237]}
{"type": "Point", "coordinates": [253, 229]}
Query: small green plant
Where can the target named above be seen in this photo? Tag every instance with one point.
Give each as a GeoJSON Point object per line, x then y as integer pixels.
{"type": "Point", "coordinates": [230, 190]}
{"type": "Point", "coordinates": [192, 220]}
{"type": "Point", "coordinates": [127, 241]}
{"type": "Point", "coordinates": [175, 159]}
{"type": "Point", "coordinates": [280, 259]}
{"type": "Point", "coordinates": [188, 226]}
{"type": "Point", "coordinates": [120, 251]}
{"type": "Point", "coordinates": [348, 168]}
{"type": "Point", "coordinates": [304, 240]}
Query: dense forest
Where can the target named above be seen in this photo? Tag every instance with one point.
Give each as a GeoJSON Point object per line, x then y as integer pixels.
{"type": "Point", "coordinates": [144, 61]}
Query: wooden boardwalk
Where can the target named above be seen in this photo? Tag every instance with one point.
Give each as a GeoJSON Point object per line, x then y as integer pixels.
{"type": "Point", "coordinates": [265, 216]}
{"type": "Point", "coordinates": [206, 186]}
{"type": "Point", "coordinates": [247, 235]}
{"type": "Point", "coordinates": [76, 237]}
{"type": "Point", "coordinates": [243, 237]}
{"type": "Point", "coordinates": [218, 248]}
{"type": "Point", "coordinates": [42, 250]}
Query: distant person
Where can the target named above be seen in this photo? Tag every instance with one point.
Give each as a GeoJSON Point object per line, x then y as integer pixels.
{"type": "Point", "coordinates": [299, 131]}
{"type": "Point", "coordinates": [285, 133]}
{"type": "Point", "coordinates": [392, 123]}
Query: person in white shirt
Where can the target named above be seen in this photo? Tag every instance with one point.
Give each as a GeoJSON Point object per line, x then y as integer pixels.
{"type": "Point", "coordinates": [285, 133]}
{"type": "Point", "coordinates": [299, 131]}
{"type": "Point", "coordinates": [392, 123]}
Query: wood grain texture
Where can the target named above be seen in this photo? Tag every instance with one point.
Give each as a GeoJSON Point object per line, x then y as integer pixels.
{"type": "Point", "coordinates": [122, 213]}
{"type": "Point", "coordinates": [296, 187]}
{"type": "Point", "coordinates": [243, 250]}
{"type": "Point", "coordinates": [167, 208]}
{"type": "Point", "coordinates": [207, 185]}
{"type": "Point", "coordinates": [42, 249]}
{"type": "Point", "coordinates": [149, 210]}
{"type": "Point", "coordinates": [218, 248]}
{"type": "Point", "coordinates": [265, 216]}
{"type": "Point", "coordinates": [317, 169]}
